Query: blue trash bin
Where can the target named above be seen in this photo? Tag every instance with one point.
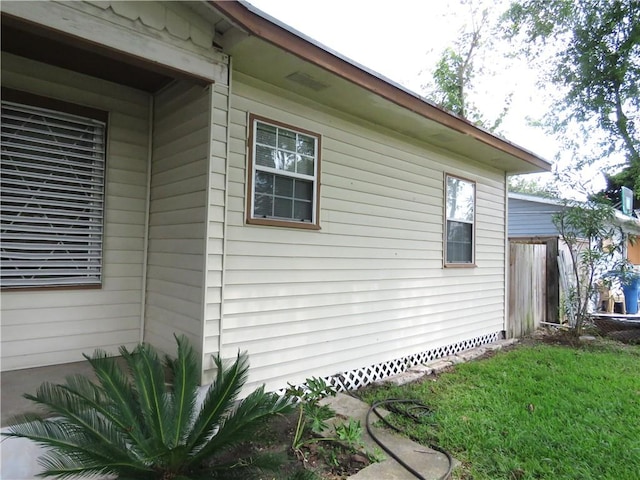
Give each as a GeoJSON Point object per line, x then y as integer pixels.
{"type": "Point", "coordinates": [631, 293]}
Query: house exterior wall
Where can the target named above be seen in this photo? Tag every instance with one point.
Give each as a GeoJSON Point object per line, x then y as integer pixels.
{"type": "Point", "coordinates": [186, 190]}
{"type": "Point", "coordinates": [531, 219]}
{"type": "Point", "coordinates": [177, 216]}
{"type": "Point", "coordinates": [48, 326]}
{"type": "Point", "coordinates": [370, 285]}
{"type": "Point", "coordinates": [633, 252]}
{"type": "Point", "coordinates": [186, 220]}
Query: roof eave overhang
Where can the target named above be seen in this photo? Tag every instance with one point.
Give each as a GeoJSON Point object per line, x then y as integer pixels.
{"type": "Point", "coordinates": [254, 23]}
{"type": "Point", "coordinates": [628, 224]}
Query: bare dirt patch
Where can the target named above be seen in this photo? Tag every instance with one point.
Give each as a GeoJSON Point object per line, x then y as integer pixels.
{"type": "Point", "coordinates": [325, 460]}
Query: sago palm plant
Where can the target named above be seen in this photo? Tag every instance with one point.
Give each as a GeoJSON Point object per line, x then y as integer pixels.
{"type": "Point", "coordinates": [142, 421]}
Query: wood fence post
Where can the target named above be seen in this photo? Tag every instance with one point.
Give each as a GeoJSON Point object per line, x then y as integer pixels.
{"type": "Point", "coordinates": [553, 282]}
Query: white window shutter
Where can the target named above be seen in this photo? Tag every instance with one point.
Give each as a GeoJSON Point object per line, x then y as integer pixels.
{"type": "Point", "coordinates": [52, 197]}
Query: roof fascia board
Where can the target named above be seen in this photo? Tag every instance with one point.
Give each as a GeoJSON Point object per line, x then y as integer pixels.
{"type": "Point", "coordinates": [532, 198]}
{"type": "Point", "coordinates": [270, 30]}
{"type": "Point", "coordinates": [628, 224]}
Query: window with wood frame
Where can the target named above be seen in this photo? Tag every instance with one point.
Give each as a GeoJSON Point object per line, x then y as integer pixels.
{"type": "Point", "coordinates": [52, 192]}
{"type": "Point", "coordinates": [284, 172]}
{"type": "Point", "coordinates": [460, 195]}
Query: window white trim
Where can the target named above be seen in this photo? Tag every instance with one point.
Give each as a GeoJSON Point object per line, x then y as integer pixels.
{"type": "Point", "coordinates": [52, 203]}
{"type": "Point", "coordinates": [461, 250]}
{"type": "Point", "coordinates": [288, 168]}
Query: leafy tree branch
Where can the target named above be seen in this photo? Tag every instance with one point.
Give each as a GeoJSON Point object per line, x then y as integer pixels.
{"type": "Point", "coordinates": [594, 47]}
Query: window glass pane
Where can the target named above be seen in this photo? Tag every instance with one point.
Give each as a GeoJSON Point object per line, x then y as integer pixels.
{"type": "Point", "coordinates": [305, 165]}
{"type": "Point", "coordinates": [263, 206]}
{"type": "Point", "coordinates": [290, 162]}
{"type": "Point", "coordinates": [306, 145]}
{"type": "Point", "coordinates": [460, 199]}
{"type": "Point", "coordinates": [459, 242]}
{"type": "Point", "coordinates": [284, 186]}
{"type": "Point", "coordinates": [304, 190]}
{"type": "Point", "coordinates": [283, 207]}
{"type": "Point", "coordinates": [264, 182]}
{"type": "Point", "coordinates": [302, 210]}
{"type": "Point", "coordinates": [265, 156]}
{"type": "Point", "coordinates": [285, 161]}
{"type": "Point", "coordinates": [286, 140]}
{"type": "Point", "coordinates": [266, 134]}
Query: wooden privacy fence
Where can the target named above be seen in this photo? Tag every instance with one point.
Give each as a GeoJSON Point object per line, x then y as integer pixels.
{"type": "Point", "coordinates": [533, 285]}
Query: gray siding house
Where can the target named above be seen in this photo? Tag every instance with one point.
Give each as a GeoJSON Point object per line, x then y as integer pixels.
{"type": "Point", "coordinates": [531, 216]}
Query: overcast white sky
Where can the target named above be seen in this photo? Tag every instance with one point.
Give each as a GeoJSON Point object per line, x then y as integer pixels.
{"type": "Point", "coordinates": [403, 39]}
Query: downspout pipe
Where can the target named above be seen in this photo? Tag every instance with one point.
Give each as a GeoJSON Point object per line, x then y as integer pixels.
{"type": "Point", "coordinates": [507, 259]}
{"type": "Point", "coordinates": [226, 209]}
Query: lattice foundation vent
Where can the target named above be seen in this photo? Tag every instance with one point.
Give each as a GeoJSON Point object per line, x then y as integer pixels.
{"type": "Point", "coordinates": [361, 377]}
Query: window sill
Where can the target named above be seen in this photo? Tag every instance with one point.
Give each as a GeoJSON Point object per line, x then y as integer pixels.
{"type": "Point", "coordinates": [50, 287]}
{"type": "Point", "coordinates": [282, 223]}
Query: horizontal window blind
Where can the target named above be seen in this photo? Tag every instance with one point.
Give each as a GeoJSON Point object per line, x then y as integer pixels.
{"type": "Point", "coordinates": [52, 197]}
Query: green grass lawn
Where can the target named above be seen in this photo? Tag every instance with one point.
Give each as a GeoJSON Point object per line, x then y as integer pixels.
{"type": "Point", "coordinates": [536, 412]}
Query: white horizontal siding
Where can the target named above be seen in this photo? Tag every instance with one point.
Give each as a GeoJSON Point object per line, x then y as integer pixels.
{"type": "Point", "coordinates": [177, 218]}
{"type": "Point", "coordinates": [215, 226]}
{"type": "Point", "coordinates": [369, 286]}
{"type": "Point", "coordinates": [44, 327]}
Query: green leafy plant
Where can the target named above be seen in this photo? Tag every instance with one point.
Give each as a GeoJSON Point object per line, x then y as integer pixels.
{"type": "Point", "coordinates": [349, 432]}
{"type": "Point", "coordinates": [626, 271]}
{"type": "Point", "coordinates": [594, 240]}
{"type": "Point", "coordinates": [587, 52]}
{"type": "Point", "coordinates": [312, 418]}
{"type": "Point", "coordinates": [142, 421]}
{"type": "Point", "coordinates": [376, 455]}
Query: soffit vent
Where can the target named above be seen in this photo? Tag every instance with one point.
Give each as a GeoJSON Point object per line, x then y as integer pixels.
{"type": "Point", "coordinates": [307, 80]}
{"type": "Point", "coordinates": [440, 138]}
